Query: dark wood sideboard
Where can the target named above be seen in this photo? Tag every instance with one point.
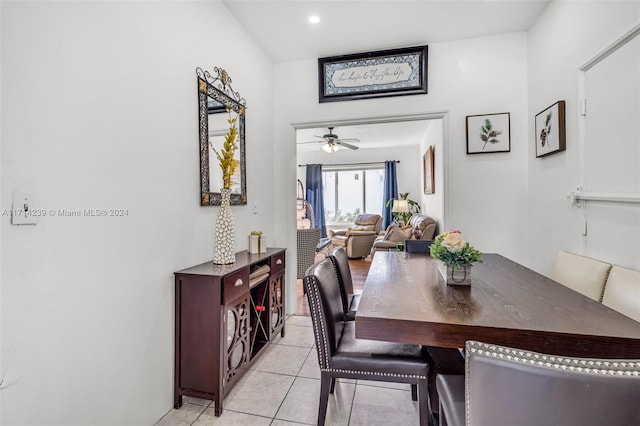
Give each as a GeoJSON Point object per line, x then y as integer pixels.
{"type": "Point", "coordinates": [222, 322]}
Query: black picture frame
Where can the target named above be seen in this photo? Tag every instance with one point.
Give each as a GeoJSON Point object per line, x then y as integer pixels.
{"type": "Point", "coordinates": [393, 72]}
{"type": "Point", "coordinates": [550, 130]}
{"type": "Point", "coordinates": [488, 133]}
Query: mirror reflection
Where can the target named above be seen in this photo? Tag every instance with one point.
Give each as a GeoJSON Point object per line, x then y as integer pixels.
{"type": "Point", "coordinates": [218, 127]}
{"type": "Point", "coordinates": [218, 102]}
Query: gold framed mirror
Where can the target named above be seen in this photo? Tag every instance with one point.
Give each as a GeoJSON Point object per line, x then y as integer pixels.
{"type": "Point", "coordinates": [217, 102]}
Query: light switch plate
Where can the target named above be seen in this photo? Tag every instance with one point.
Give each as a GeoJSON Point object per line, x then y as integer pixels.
{"type": "Point", "coordinates": [23, 204]}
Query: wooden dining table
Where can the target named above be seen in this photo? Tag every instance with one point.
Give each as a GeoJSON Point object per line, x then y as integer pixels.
{"type": "Point", "coordinates": [405, 300]}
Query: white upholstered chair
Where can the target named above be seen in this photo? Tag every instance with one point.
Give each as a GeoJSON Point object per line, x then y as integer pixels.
{"type": "Point", "coordinates": [581, 273]}
{"type": "Point", "coordinates": [622, 292]}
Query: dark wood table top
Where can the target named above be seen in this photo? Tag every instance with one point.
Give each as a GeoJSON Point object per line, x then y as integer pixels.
{"type": "Point", "coordinates": [405, 300]}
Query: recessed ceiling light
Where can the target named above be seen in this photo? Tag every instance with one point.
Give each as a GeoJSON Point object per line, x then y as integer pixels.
{"type": "Point", "coordinates": [314, 19]}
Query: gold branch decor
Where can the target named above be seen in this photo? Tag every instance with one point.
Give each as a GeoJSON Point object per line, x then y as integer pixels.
{"type": "Point", "coordinates": [228, 164]}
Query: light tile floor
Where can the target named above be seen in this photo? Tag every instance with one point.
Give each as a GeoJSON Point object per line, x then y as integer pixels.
{"type": "Point", "coordinates": [283, 389]}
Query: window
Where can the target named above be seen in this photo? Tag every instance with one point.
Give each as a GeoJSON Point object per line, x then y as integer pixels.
{"type": "Point", "coordinates": [350, 192]}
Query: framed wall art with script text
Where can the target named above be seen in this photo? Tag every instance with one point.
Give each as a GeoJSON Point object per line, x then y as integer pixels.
{"type": "Point", "coordinates": [393, 72]}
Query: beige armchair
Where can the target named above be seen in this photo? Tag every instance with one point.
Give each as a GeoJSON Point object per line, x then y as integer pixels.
{"type": "Point", "coordinates": [358, 239]}
{"type": "Point", "coordinates": [421, 227]}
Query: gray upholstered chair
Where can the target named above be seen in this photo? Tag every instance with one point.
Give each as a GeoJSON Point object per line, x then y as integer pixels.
{"type": "Point", "coordinates": [350, 301]}
{"type": "Point", "coordinates": [505, 386]}
{"type": "Point", "coordinates": [340, 354]}
{"type": "Point", "coordinates": [358, 239]}
{"type": "Point", "coordinates": [308, 240]}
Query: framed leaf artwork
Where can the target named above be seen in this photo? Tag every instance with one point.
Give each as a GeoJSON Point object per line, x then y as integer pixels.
{"type": "Point", "coordinates": [550, 130]}
{"type": "Point", "coordinates": [488, 133]}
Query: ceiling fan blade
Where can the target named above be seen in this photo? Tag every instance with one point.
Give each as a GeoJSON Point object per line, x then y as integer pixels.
{"type": "Point", "coordinates": [302, 143]}
{"type": "Point", "coordinates": [349, 140]}
{"type": "Point", "coordinates": [346, 145]}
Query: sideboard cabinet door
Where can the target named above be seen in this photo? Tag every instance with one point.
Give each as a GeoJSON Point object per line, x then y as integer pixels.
{"type": "Point", "coordinates": [237, 348]}
{"type": "Point", "coordinates": [276, 305]}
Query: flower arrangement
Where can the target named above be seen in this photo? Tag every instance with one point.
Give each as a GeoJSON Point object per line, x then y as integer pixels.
{"type": "Point", "coordinates": [451, 248]}
{"type": "Point", "coordinates": [228, 164]}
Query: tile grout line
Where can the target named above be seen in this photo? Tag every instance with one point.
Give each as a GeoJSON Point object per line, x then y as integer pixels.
{"type": "Point", "coordinates": [283, 399]}
{"type": "Point", "coordinates": [290, 387]}
{"type": "Point", "coordinates": [353, 400]}
{"type": "Point", "coordinates": [198, 416]}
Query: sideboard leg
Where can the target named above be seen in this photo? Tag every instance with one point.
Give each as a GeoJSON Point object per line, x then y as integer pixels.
{"type": "Point", "coordinates": [177, 400]}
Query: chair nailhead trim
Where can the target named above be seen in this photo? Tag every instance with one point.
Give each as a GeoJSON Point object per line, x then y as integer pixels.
{"type": "Point", "coordinates": [316, 315]}
{"type": "Point", "coordinates": [558, 362]}
{"type": "Point", "coordinates": [611, 368]}
{"type": "Point", "coordinates": [373, 373]}
{"type": "Point", "coordinates": [334, 263]}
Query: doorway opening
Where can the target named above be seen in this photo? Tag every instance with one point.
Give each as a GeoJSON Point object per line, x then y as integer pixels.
{"type": "Point", "coordinates": [352, 154]}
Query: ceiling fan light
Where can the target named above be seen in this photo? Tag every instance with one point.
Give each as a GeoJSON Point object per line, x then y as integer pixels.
{"type": "Point", "coordinates": [330, 147]}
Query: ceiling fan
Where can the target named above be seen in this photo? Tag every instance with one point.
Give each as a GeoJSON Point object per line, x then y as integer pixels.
{"type": "Point", "coordinates": [333, 143]}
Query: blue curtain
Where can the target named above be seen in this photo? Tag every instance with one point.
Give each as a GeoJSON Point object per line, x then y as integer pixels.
{"type": "Point", "coordinates": [390, 191]}
{"type": "Point", "coordinates": [315, 196]}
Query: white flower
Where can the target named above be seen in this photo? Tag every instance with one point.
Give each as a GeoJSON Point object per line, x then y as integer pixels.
{"type": "Point", "coordinates": [453, 242]}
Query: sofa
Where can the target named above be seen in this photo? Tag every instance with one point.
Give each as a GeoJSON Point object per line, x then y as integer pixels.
{"type": "Point", "coordinates": [358, 239]}
{"type": "Point", "coordinates": [420, 227]}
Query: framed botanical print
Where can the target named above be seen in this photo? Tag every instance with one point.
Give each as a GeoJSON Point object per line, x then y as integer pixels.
{"type": "Point", "coordinates": [488, 133]}
{"type": "Point", "coordinates": [427, 168]}
{"type": "Point", "coordinates": [550, 130]}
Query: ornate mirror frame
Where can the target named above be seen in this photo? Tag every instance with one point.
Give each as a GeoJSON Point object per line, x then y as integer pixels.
{"type": "Point", "coordinates": [218, 89]}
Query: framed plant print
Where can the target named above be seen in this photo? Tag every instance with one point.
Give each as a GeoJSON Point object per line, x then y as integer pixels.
{"type": "Point", "coordinates": [550, 130]}
{"type": "Point", "coordinates": [427, 168]}
{"type": "Point", "coordinates": [488, 133]}
{"type": "Point", "coordinates": [376, 74]}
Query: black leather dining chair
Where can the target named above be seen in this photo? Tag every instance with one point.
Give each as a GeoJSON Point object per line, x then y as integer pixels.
{"type": "Point", "coordinates": [350, 301]}
{"type": "Point", "coordinates": [417, 246]}
{"type": "Point", "coordinates": [506, 386]}
{"type": "Point", "coordinates": [341, 355]}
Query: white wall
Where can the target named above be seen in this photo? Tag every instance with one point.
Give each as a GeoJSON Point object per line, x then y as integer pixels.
{"type": "Point", "coordinates": [476, 76]}
{"type": "Point", "coordinates": [1, 316]}
{"type": "Point", "coordinates": [563, 38]}
{"type": "Point", "coordinates": [100, 111]}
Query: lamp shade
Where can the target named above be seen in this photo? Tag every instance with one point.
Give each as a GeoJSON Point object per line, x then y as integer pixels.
{"type": "Point", "coordinates": [400, 206]}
